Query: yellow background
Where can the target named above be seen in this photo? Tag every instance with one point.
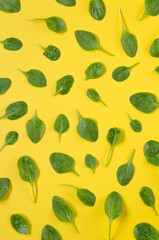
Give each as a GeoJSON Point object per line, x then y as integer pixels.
{"type": "Point", "coordinates": [91, 222]}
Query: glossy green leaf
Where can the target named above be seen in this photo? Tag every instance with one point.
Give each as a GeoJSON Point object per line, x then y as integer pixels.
{"type": "Point", "coordinates": [145, 231]}
{"type": "Point", "coordinates": [148, 197]}
{"type": "Point", "coordinates": [50, 233]}
{"type": "Point", "coordinates": [97, 9]}
{"type": "Point", "coordinates": [10, 6]}
{"type": "Point", "coordinates": [12, 44]}
{"type": "Point", "coordinates": [10, 139]}
{"type": "Point", "coordinates": [35, 77]}
{"type": "Point", "coordinates": [61, 125]}
{"type": "Point", "coordinates": [151, 8]}
{"type": "Point", "coordinates": [20, 224]}
{"type": "Point", "coordinates": [135, 124]}
{"type": "Point", "coordinates": [64, 85]}
{"type": "Point", "coordinates": [91, 162]}
{"type": "Point", "coordinates": [95, 70]}
{"type": "Point", "coordinates": [5, 84]}
{"type": "Point", "coordinates": [68, 3]}
{"type": "Point", "coordinates": [56, 24]}
{"type": "Point", "coordinates": [94, 96]}
{"type": "Point", "coordinates": [154, 49]}
{"type": "Point", "coordinates": [51, 52]}
{"type": "Point", "coordinates": [151, 152]}
{"type": "Point", "coordinates": [5, 185]}
{"type": "Point", "coordinates": [35, 128]}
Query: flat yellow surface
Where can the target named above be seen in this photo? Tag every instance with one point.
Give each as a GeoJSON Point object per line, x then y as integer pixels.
{"type": "Point", "coordinates": [91, 221]}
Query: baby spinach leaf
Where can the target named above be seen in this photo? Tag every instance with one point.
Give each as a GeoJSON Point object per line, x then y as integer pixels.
{"type": "Point", "coordinates": [148, 197]}
{"type": "Point", "coordinates": [135, 124]}
{"type": "Point", "coordinates": [28, 172]}
{"type": "Point", "coordinates": [128, 40]}
{"type": "Point", "coordinates": [113, 137]}
{"type": "Point", "coordinates": [35, 128]}
{"type": "Point", "coordinates": [89, 41]}
{"type": "Point", "coordinates": [68, 3]}
{"type": "Point", "coordinates": [5, 84]}
{"type": "Point", "coordinates": [151, 8]}
{"type": "Point", "coordinates": [91, 162]}
{"type": "Point", "coordinates": [95, 70]}
{"type": "Point", "coordinates": [125, 172]}
{"type": "Point", "coordinates": [97, 9]}
{"type": "Point", "coordinates": [122, 73]}
{"type": "Point", "coordinates": [61, 125]}
{"type": "Point", "coordinates": [151, 152]}
{"type": "Point", "coordinates": [5, 184]}
{"type": "Point", "coordinates": [94, 96]}
{"type": "Point", "coordinates": [51, 52]}
{"type": "Point", "coordinates": [63, 212]}
{"type": "Point", "coordinates": [64, 85]}
{"type": "Point", "coordinates": [113, 208]}
{"type": "Point", "coordinates": [157, 69]}
{"type": "Point", "coordinates": [154, 49]}
{"type": "Point", "coordinates": [87, 128]}
{"type": "Point", "coordinates": [15, 110]}
{"type": "Point", "coordinates": [145, 231]}
{"type": "Point", "coordinates": [62, 163]}
{"type": "Point", "coordinates": [10, 139]}
{"type": "Point", "coordinates": [12, 44]}
{"type": "Point", "coordinates": [50, 233]}
{"type": "Point", "coordinates": [56, 24]}
{"type": "Point", "coordinates": [20, 224]}
{"type": "Point", "coordinates": [10, 6]}
{"type": "Point", "coordinates": [35, 77]}
{"type": "Point", "coordinates": [144, 101]}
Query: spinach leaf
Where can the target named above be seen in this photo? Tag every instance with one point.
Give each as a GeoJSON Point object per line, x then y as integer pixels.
{"type": "Point", "coordinates": [5, 84]}
{"type": "Point", "coordinates": [20, 224]}
{"type": "Point", "coordinates": [91, 162]}
{"type": "Point", "coordinates": [145, 231]}
{"type": "Point", "coordinates": [128, 40]}
{"type": "Point", "coordinates": [68, 3]}
{"type": "Point", "coordinates": [51, 52]}
{"type": "Point", "coordinates": [113, 208]}
{"type": "Point", "coordinates": [5, 185]}
{"type": "Point", "coordinates": [56, 24]}
{"type": "Point", "coordinates": [125, 172]}
{"type": "Point", "coordinates": [64, 85]}
{"type": "Point", "coordinates": [97, 9]}
{"type": "Point", "coordinates": [10, 6]}
{"type": "Point", "coordinates": [63, 212]}
{"type": "Point", "coordinates": [28, 172]}
{"type": "Point", "coordinates": [154, 49]}
{"type": "Point", "coordinates": [89, 41]}
{"type": "Point", "coordinates": [148, 197]}
{"type": "Point", "coordinates": [151, 8]}
{"type": "Point", "coordinates": [15, 110]}
{"type": "Point", "coordinates": [87, 128]}
{"type": "Point", "coordinates": [35, 128]}
{"type": "Point", "coordinates": [144, 101]}
{"type": "Point", "coordinates": [10, 139]}
{"type": "Point", "coordinates": [62, 163]}
{"type": "Point", "coordinates": [135, 124]}
{"type": "Point", "coordinates": [157, 69]}
{"type": "Point", "coordinates": [12, 44]}
{"type": "Point", "coordinates": [61, 125]}
{"type": "Point", "coordinates": [113, 137]}
{"type": "Point", "coordinates": [95, 70]}
{"type": "Point", "coordinates": [151, 152]}
{"type": "Point", "coordinates": [35, 77]}
{"type": "Point", "coordinates": [122, 73]}
{"type": "Point", "coordinates": [50, 233]}
{"type": "Point", "coordinates": [94, 96]}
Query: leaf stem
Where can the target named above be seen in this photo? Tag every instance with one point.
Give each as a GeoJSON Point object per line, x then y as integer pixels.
{"type": "Point", "coordinates": [134, 65]}
{"type": "Point", "coordinates": [128, 115]}
{"type": "Point", "coordinates": [78, 114]}
{"type": "Point", "coordinates": [60, 137]}
{"type": "Point", "coordinates": [131, 156]}
{"type": "Point", "coordinates": [33, 191]}
{"type": "Point", "coordinates": [105, 51]}
{"type": "Point", "coordinates": [5, 144]}
{"type": "Point", "coordinates": [109, 234]}
{"type": "Point", "coordinates": [103, 102]}
{"type": "Point", "coordinates": [74, 226]}
{"type": "Point", "coordinates": [68, 185]}
{"type": "Point", "coordinates": [155, 210]}
{"type": "Point", "coordinates": [38, 45]}
{"type": "Point", "coordinates": [109, 155]}
{"type": "Point", "coordinates": [37, 19]}
{"type": "Point", "coordinates": [21, 71]}
{"type": "Point", "coordinates": [124, 27]}
{"type": "Point", "coordinates": [74, 171]}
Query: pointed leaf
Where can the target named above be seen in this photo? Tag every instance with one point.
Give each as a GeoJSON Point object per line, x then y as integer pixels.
{"type": "Point", "coordinates": [20, 224]}
{"type": "Point", "coordinates": [5, 84]}
{"type": "Point", "coordinates": [56, 24]}
{"type": "Point", "coordinates": [145, 231]}
{"type": "Point", "coordinates": [35, 77]}
{"type": "Point", "coordinates": [10, 6]}
{"type": "Point", "coordinates": [5, 184]}
{"type": "Point", "coordinates": [61, 124]}
{"type": "Point", "coordinates": [97, 9]}
{"type": "Point", "coordinates": [50, 233]}
{"type": "Point", "coordinates": [12, 44]}
{"type": "Point", "coordinates": [64, 85]}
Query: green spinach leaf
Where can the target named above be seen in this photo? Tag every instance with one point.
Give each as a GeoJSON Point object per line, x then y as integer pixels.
{"type": "Point", "coordinates": [68, 3]}
{"type": "Point", "coordinates": [10, 139]}
{"type": "Point", "coordinates": [125, 172]}
{"type": "Point", "coordinates": [145, 231]}
{"type": "Point", "coordinates": [97, 9]}
{"type": "Point", "coordinates": [62, 163]}
{"type": "Point", "coordinates": [122, 73]}
{"type": "Point", "coordinates": [28, 172]}
{"type": "Point", "coordinates": [95, 70]}
{"type": "Point", "coordinates": [113, 208]}
{"type": "Point", "coordinates": [113, 137]}
{"type": "Point", "coordinates": [35, 128]}
{"type": "Point", "coordinates": [128, 40]}
{"type": "Point", "coordinates": [151, 8]}
{"type": "Point", "coordinates": [63, 212]}
{"type": "Point", "coordinates": [94, 96]}
{"type": "Point", "coordinates": [35, 77]}
{"type": "Point", "coordinates": [87, 128]}
{"type": "Point", "coordinates": [154, 49]}
{"type": "Point", "coordinates": [15, 110]}
{"type": "Point", "coordinates": [12, 44]}
{"type": "Point", "coordinates": [20, 224]}
{"type": "Point", "coordinates": [91, 162]}
{"type": "Point", "coordinates": [89, 41]}
{"type": "Point", "coordinates": [151, 152]}
{"type": "Point", "coordinates": [61, 125]}
{"type": "Point", "coordinates": [135, 124]}
{"type": "Point", "coordinates": [64, 85]}
{"type": "Point", "coordinates": [144, 101]}
{"type": "Point", "coordinates": [5, 84]}
{"type": "Point", "coordinates": [157, 69]}
{"type": "Point", "coordinates": [10, 6]}
{"type": "Point", "coordinates": [56, 24]}
{"type": "Point", "coordinates": [5, 185]}
{"type": "Point", "coordinates": [51, 52]}
{"type": "Point", "coordinates": [148, 197]}
{"type": "Point", "coordinates": [50, 233]}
